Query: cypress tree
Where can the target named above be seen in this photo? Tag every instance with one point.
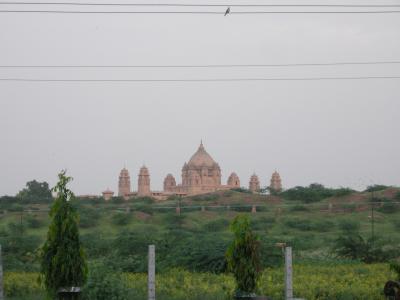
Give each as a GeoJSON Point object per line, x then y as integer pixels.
{"type": "Point", "coordinates": [63, 262]}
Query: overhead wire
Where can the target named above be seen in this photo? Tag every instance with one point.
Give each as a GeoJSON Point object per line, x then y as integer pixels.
{"type": "Point", "coordinates": [195, 5]}
{"type": "Point", "coordinates": [209, 65]}
{"type": "Point", "coordinates": [18, 79]}
{"type": "Point", "coordinates": [199, 12]}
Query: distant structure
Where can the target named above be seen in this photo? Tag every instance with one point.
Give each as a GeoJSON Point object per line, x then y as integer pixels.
{"type": "Point", "coordinates": [254, 184]}
{"type": "Point", "coordinates": [144, 182]}
{"type": "Point", "coordinates": [233, 180]}
{"type": "Point", "coordinates": [276, 182]}
{"type": "Point", "coordinates": [108, 194]}
{"type": "Point", "coordinates": [124, 184]}
{"type": "Point", "coordinates": [201, 174]}
{"type": "Point", "coordinates": [169, 183]}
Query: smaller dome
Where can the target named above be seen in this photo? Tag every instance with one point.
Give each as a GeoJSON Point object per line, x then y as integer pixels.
{"type": "Point", "coordinates": [233, 180]}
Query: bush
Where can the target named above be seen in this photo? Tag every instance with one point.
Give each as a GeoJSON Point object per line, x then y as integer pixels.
{"type": "Point", "coordinates": [356, 247]}
{"type": "Point", "coordinates": [174, 221]}
{"type": "Point", "coordinates": [121, 218]}
{"type": "Point", "coordinates": [341, 192]}
{"type": "Point", "coordinates": [105, 285]}
{"type": "Point", "coordinates": [349, 225]}
{"type": "Point", "coordinates": [300, 224]}
{"type": "Point", "coordinates": [262, 223]}
{"type": "Point", "coordinates": [376, 188]}
{"type": "Point", "coordinates": [216, 225]}
{"type": "Point", "coordinates": [396, 223]}
{"type": "Point", "coordinates": [323, 225]}
{"type": "Point", "coordinates": [34, 222]}
{"type": "Point", "coordinates": [21, 284]}
{"type": "Point", "coordinates": [242, 190]}
{"type": "Point", "coordinates": [88, 217]}
{"type": "Point", "coordinates": [299, 207]}
{"type": "Point", "coordinates": [388, 206]}
{"type": "Point", "coordinates": [206, 197]}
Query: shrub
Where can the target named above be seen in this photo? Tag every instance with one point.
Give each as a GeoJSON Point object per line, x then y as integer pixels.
{"type": "Point", "coordinates": [105, 285]}
{"type": "Point", "coordinates": [262, 223]}
{"type": "Point", "coordinates": [299, 207]}
{"type": "Point", "coordinates": [216, 225]}
{"type": "Point", "coordinates": [89, 217]}
{"type": "Point", "coordinates": [21, 284]}
{"type": "Point", "coordinates": [388, 206]}
{"type": "Point", "coordinates": [349, 225]}
{"type": "Point", "coordinates": [300, 224]}
{"type": "Point", "coordinates": [323, 225]}
{"type": "Point", "coordinates": [243, 257]}
{"type": "Point", "coordinates": [342, 192]}
{"type": "Point", "coordinates": [242, 190]}
{"type": "Point", "coordinates": [174, 221]}
{"type": "Point", "coordinates": [121, 218]}
{"type": "Point", "coordinates": [396, 223]}
{"type": "Point", "coordinates": [34, 222]}
{"type": "Point", "coordinates": [376, 188]}
{"type": "Point", "coordinates": [355, 247]}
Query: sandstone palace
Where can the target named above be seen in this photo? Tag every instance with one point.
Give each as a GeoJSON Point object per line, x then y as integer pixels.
{"type": "Point", "coordinates": [201, 174]}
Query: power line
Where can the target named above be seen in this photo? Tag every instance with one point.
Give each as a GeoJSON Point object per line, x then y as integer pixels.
{"type": "Point", "coordinates": [197, 5]}
{"type": "Point", "coordinates": [207, 65]}
{"type": "Point", "coordinates": [198, 79]}
{"type": "Point", "coordinates": [199, 12]}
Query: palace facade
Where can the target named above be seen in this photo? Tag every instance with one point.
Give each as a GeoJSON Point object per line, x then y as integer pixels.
{"type": "Point", "coordinates": [200, 175]}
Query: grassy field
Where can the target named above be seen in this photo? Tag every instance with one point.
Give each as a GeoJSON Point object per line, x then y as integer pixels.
{"type": "Point", "coordinates": [334, 281]}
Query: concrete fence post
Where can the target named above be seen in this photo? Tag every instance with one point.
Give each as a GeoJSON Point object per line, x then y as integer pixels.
{"type": "Point", "coordinates": [151, 279]}
{"type": "Point", "coordinates": [288, 274]}
{"type": "Point", "coordinates": [254, 209]}
{"type": "Point", "coordinates": [1, 277]}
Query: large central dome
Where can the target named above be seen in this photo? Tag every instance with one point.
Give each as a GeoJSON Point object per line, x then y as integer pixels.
{"type": "Point", "coordinates": [201, 158]}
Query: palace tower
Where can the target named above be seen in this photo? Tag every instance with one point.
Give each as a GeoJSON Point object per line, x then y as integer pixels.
{"type": "Point", "coordinates": [124, 183]}
{"type": "Point", "coordinates": [276, 182]}
{"type": "Point", "coordinates": [254, 184]}
{"type": "Point", "coordinates": [144, 182]}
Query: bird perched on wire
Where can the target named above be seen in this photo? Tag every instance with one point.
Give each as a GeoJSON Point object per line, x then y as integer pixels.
{"type": "Point", "coordinates": [228, 10]}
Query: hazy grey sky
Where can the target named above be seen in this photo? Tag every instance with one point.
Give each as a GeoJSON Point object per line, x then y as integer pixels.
{"type": "Point", "coordinates": [339, 133]}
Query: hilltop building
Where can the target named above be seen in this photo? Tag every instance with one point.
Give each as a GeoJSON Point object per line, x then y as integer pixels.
{"type": "Point", "coordinates": [201, 174]}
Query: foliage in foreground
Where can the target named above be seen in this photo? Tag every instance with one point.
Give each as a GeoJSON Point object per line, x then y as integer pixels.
{"type": "Point", "coordinates": [63, 262]}
{"type": "Point", "coordinates": [243, 256]}
{"type": "Point", "coordinates": [319, 282]}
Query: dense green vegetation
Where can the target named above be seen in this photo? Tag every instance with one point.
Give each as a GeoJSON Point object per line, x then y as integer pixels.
{"type": "Point", "coordinates": [322, 229]}
{"type": "Point", "coordinates": [338, 281]}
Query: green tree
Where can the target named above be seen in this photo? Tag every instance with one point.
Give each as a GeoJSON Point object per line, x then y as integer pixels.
{"type": "Point", "coordinates": [63, 262]}
{"type": "Point", "coordinates": [35, 192]}
{"type": "Point", "coordinates": [243, 257]}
